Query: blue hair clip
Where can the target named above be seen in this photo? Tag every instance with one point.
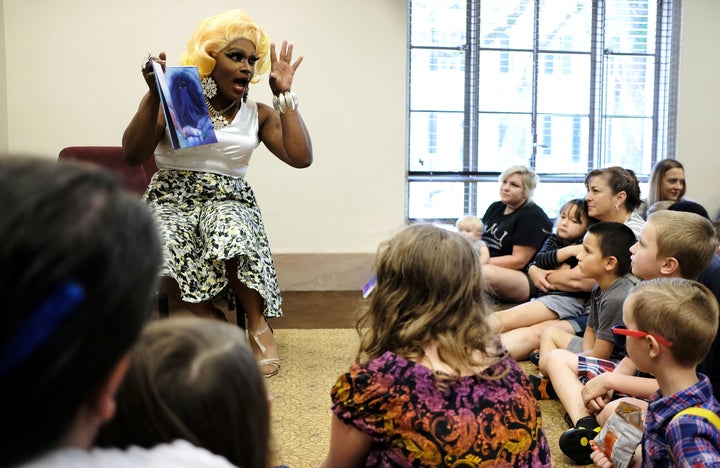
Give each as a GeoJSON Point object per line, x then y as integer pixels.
{"type": "Point", "coordinates": [40, 325]}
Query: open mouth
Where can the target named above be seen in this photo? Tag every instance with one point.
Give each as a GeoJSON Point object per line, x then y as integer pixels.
{"type": "Point", "coordinates": [240, 85]}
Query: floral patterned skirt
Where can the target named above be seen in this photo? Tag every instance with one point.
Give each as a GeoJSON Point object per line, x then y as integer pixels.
{"type": "Point", "coordinates": [206, 219]}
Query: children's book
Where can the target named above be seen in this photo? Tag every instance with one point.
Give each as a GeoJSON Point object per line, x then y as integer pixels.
{"type": "Point", "coordinates": [186, 115]}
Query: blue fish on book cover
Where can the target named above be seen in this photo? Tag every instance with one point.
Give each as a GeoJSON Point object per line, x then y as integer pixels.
{"type": "Point", "coordinates": [186, 116]}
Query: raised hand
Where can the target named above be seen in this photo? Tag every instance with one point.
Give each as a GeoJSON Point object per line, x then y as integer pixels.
{"type": "Point", "coordinates": [147, 70]}
{"type": "Point", "coordinates": [281, 70]}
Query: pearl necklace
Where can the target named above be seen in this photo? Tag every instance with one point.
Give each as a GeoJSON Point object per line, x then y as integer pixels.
{"type": "Point", "coordinates": [218, 117]}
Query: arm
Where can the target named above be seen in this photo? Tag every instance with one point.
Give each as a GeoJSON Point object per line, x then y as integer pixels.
{"type": "Point", "coordinates": [601, 349]}
{"type": "Point", "coordinates": [520, 256]}
{"type": "Point", "coordinates": [349, 447]}
{"type": "Point", "coordinates": [566, 253]}
{"type": "Point", "coordinates": [484, 253]}
{"type": "Point", "coordinates": [284, 134]}
{"type": "Point", "coordinates": [622, 379]}
{"type": "Point", "coordinates": [588, 342]}
{"type": "Point", "coordinates": [547, 257]}
{"type": "Point", "coordinates": [147, 127]}
{"type": "Point", "coordinates": [598, 386]}
{"type": "Point", "coordinates": [539, 278]}
{"type": "Point", "coordinates": [570, 280]}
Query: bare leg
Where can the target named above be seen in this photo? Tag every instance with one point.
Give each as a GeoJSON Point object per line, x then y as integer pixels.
{"type": "Point", "coordinates": [202, 309]}
{"type": "Point", "coordinates": [522, 341]}
{"type": "Point", "coordinates": [260, 334]}
{"type": "Point", "coordinates": [524, 315]}
{"type": "Point", "coordinates": [552, 339]}
{"type": "Point", "coordinates": [510, 285]}
{"type": "Point", "coordinates": [562, 369]}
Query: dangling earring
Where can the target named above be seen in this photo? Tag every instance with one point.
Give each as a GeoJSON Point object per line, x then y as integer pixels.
{"type": "Point", "coordinates": [245, 94]}
{"type": "Point", "coordinates": [209, 87]}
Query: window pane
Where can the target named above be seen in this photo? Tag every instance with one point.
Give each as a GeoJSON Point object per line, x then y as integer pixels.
{"type": "Point", "coordinates": [565, 25]}
{"type": "Point", "coordinates": [437, 80]}
{"type": "Point", "coordinates": [505, 81]}
{"type": "Point", "coordinates": [435, 200]}
{"type": "Point", "coordinates": [563, 84]}
{"type": "Point", "coordinates": [437, 23]}
{"type": "Point", "coordinates": [509, 19]}
{"type": "Point", "coordinates": [436, 141]}
{"type": "Point", "coordinates": [628, 143]}
{"type": "Point", "coordinates": [630, 26]}
{"type": "Point", "coordinates": [630, 85]}
{"type": "Point", "coordinates": [562, 144]}
{"type": "Point", "coordinates": [503, 141]}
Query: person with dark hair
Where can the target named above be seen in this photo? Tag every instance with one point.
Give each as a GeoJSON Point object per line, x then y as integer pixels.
{"type": "Point", "coordinates": [433, 386]}
{"type": "Point", "coordinates": [605, 257]}
{"type": "Point", "coordinates": [193, 379]}
{"type": "Point", "coordinates": [663, 251]}
{"type": "Point", "coordinates": [522, 325]}
{"type": "Point", "coordinates": [79, 261]}
{"type": "Point", "coordinates": [613, 194]}
{"type": "Point", "coordinates": [213, 233]}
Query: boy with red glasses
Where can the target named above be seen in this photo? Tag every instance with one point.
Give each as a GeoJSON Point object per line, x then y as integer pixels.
{"type": "Point", "coordinates": [672, 244]}
{"type": "Point", "coordinates": [671, 325]}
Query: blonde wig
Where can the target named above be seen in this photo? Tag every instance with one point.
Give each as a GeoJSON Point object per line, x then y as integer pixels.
{"type": "Point", "coordinates": [215, 33]}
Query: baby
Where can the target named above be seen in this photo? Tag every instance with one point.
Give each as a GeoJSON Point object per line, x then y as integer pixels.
{"type": "Point", "coordinates": [471, 228]}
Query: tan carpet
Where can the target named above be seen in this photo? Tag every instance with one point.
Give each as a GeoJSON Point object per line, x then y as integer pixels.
{"type": "Point", "coordinates": [312, 359]}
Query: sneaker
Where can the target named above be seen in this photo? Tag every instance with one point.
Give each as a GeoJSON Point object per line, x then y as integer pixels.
{"type": "Point", "coordinates": [535, 357]}
{"type": "Point", "coordinates": [575, 443]}
{"type": "Point", "coordinates": [541, 387]}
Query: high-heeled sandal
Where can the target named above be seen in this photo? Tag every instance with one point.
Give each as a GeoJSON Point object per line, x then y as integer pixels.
{"type": "Point", "coordinates": [272, 362]}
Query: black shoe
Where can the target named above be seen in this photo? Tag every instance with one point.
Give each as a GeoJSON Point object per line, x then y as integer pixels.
{"type": "Point", "coordinates": [535, 357]}
{"type": "Point", "coordinates": [575, 443]}
{"type": "Point", "coordinates": [541, 387]}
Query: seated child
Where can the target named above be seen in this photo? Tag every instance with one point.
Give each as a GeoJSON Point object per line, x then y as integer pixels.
{"type": "Point", "coordinates": [79, 262]}
{"type": "Point", "coordinates": [193, 379]}
{"type": "Point", "coordinates": [605, 258]}
{"type": "Point", "coordinates": [568, 359]}
{"type": "Point", "coordinates": [432, 385]}
{"type": "Point", "coordinates": [662, 250]}
{"type": "Point", "coordinates": [671, 324]}
{"type": "Point", "coordinates": [522, 325]}
{"type": "Point", "coordinates": [471, 228]}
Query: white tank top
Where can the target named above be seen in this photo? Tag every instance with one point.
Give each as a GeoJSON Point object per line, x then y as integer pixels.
{"type": "Point", "coordinates": [229, 156]}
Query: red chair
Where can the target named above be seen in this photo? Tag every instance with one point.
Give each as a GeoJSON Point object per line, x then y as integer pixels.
{"type": "Point", "coordinates": [134, 178]}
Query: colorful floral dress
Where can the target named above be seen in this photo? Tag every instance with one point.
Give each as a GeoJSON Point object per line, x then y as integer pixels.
{"type": "Point", "coordinates": [474, 422]}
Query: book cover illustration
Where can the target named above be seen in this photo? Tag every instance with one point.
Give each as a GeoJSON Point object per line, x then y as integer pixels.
{"type": "Point", "coordinates": [186, 116]}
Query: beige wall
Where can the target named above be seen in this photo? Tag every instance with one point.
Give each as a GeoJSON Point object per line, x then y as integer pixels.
{"type": "Point", "coordinates": [699, 117]}
{"type": "Point", "coordinates": [73, 79]}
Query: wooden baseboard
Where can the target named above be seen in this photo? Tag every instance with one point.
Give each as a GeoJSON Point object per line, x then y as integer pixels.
{"type": "Point", "coordinates": [323, 272]}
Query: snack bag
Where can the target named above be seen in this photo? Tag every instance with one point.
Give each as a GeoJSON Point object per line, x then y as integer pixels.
{"type": "Point", "coordinates": [621, 434]}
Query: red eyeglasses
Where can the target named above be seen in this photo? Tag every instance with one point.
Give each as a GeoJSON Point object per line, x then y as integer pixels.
{"type": "Point", "coordinates": [621, 330]}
